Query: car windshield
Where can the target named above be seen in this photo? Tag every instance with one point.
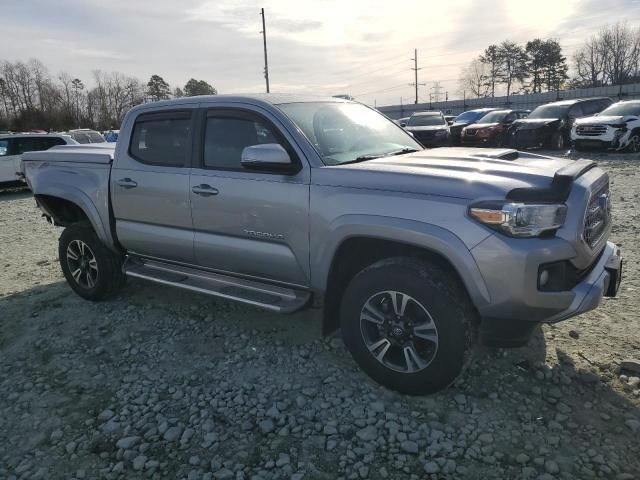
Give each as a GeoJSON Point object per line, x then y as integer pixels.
{"type": "Point", "coordinates": [493, 117]}
{"type": "Point", "coordinates": [550, 111]}
{"type": "Point", "coordinates": [348, 132]}
{"type": "Point", "coordinates": [623, 109]}
{"type": "Point", "coordinates": [470, 116]}
{"type": "Point", "coordinates": [425, 120]}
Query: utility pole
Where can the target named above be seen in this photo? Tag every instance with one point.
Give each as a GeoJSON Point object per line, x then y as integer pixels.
{"type": "Point", "coordinates": [264, 41]}
{"type": "Point", "coordinates": [415, 71]}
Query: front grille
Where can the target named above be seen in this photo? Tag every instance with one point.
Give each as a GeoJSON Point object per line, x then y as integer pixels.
{"type": "Point", "coordinates": [425, 135]}
{"type": "Point", "coordinates": [597, 216]}
{"type": "Point", "coordinates": [591, 130]}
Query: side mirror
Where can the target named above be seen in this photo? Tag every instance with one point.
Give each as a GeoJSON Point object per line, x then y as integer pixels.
{"type": "Point", "coordinates": [403, 124]}
{"type": "Point", "coordinates": [268, 156]}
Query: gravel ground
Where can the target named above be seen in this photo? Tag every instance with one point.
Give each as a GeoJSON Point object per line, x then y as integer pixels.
{"type": "Point", "coordinates": [160, 383]}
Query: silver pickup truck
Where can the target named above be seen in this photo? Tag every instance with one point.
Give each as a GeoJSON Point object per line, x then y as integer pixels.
{"type": "Point", "coordinates": [291, 203]}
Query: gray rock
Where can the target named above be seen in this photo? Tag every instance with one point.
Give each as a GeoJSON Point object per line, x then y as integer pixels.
{"type": "Point", "coordinates": [56, 435]}
{"type": "Point", "coordinates": [551, 467]}
{"type": "Point", "coordinates": [633, 424]}
{"type": "Point", "coordinates": [70, 447]}
{"type": "Point", "coordinates": [522, 458]}
{"type": "Point", "coordinates": [266, 426]}
{"type": "Point", "coordinates": [367, 434]}
{"type": "Point", "coordinates": [485, 438]}
{"type": "Point", "coordinates": [139, 462]}
{"type": "Point", "coordinates": [127, 443]}
{"type": "Point", "coordinates": [431, 467]}
{"type": "Point", "coordinates": [172, 434]}
{"type": "Point", "coordinates": [631, 365]}
{"type": "Point", "coordinates": [409, 446]}
{"type": "Point", "coordinates": [105, 415]}
{"type": "Point", "coordinates": [460, 399]}
{"type": "Point", "coordinates": [186, 436]}
{"type": "Point", "coordinates": [223, 474]}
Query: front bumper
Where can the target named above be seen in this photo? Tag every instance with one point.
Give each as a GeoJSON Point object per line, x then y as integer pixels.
{"type": "Point", "coordinates": [530, 137]}
{"type": "Point", "coordinates": [513, 282]}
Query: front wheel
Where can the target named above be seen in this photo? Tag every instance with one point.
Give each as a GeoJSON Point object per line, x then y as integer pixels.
{"type": "Point", "coordinates": [92, 270]}
{"type": "Point", "coordinates": [557, 141]}
{"type": "Point", "coordinates": [634, 143]}
{"type": "Point", "coordinates": [408, 324]}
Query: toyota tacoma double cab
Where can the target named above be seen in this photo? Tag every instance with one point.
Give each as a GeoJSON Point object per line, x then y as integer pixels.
{"type": "Point", "coordinates": [290, 203]}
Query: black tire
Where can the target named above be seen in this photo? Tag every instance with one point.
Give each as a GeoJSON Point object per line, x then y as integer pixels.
{"type": "Point", "coordinates": [104, 275]}
{"type": "Point", "coordinates": [634, 143]}
{"type": "Point", "coordinates": [429, 286]}
{"type": "Point", "coordinates": [558, 141]}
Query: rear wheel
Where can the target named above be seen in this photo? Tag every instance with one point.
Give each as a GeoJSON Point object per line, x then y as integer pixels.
{"type": "Point", "coordinates": [408, 324]}
{"type": "Point", "coordinates": [92, 270]}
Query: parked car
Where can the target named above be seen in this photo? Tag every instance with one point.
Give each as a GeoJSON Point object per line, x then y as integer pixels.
{"type": "Point", "coordinates": [86, 135]}
{"type": "Point", "coordinates": [429, 128]}
{"type": "Point", "coordinates": [615, 128]}
{"type": "Point", "coordinates": [411, 252]}
{"type": "Point", "coordinates": [491, 130]}
{"type": "Point", "coordinates": [111, 136]}
{"type": "Point", "coordinates": [464, 119]}
{"type": "Point", "coordinates": [13, 146]}
{"type": "Point", "coordinates": [549, 125]}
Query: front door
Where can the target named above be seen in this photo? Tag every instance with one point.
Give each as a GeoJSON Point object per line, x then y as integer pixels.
{"type": "Point", "coordinates": [150, 185]}
{"type": "Point", "coordinates": [250, 223]}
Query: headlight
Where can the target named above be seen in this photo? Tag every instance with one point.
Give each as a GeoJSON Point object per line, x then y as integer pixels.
{"type": "Point", "coordinates": [519, 219]}
{"type": "Point", "coordinates": [440, 133]}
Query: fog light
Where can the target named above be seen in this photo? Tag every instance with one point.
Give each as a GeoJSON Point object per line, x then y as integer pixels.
{"type": "Point", "coordinates": [544, 278]}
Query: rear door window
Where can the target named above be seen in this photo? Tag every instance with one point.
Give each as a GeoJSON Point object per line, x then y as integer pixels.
{"type": "Point", "coordinates": [162, 138]}
{"type": "Point", "coordinates": [576, 111]}
{"type": "Point", "coordinates": [4, 148]}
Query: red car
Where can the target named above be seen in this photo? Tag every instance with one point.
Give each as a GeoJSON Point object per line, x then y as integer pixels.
{"type": "Point", "coordinates": [491, 129]}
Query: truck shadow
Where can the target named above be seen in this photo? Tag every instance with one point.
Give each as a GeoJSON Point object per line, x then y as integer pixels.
{"type": "Point", "coordinates": [14, 193]}
{"type": "Point", "coordinates": [533, 390]}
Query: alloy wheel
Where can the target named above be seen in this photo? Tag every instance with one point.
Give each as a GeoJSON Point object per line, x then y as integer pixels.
{"type": "Point", "coordinates": [82, 264]}
{"type": "Point", "coordinates": [634, 144]}
{"type": "Point", "coordinates": [398, 331]}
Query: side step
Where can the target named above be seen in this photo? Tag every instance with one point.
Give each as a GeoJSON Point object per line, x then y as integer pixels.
{"type": "Point", "coordinates": [269, 297]}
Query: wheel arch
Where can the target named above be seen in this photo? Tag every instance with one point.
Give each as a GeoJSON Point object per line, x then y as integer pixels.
{"type": "Point", "coordinates": [72, 206]}
{"type": "Point", "coordinates": [357, 245]}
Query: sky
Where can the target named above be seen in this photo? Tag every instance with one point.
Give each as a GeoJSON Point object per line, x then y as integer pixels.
{"type": "Point", "coordinates": [359, 47]}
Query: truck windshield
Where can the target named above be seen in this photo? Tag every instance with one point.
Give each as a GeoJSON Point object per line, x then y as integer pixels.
{"type": "Point", "coordinates": [623, 109]}
{"type": "Point", "coordinates": [425, 121]}
{"type": "Point", "coordinates": [347, 132]}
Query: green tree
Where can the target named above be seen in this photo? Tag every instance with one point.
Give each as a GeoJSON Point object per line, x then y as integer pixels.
{"type": "Point", "coordinates": [157, 88]}
{"type": "Point", "coordinates": [177, 93]}
{"type": "Point", "coordinates": [198, 87]}
{"type": "Point", "coordinates": [513, 64]}
{"type": "Point", "coordinates": [491, 58]}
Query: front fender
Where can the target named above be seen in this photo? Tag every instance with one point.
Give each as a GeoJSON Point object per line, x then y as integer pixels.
{"type": "Point", "coordinates": [410, 232]}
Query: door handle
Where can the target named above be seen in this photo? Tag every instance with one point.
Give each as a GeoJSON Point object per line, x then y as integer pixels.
{"type": "Point", "coordinates": [127, 183]}
{"type": "Point", "coordinates": [204, 190]}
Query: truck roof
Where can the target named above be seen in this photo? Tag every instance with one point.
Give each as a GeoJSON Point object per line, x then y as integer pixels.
{"type": "Point", "coordinates": [257, 98]}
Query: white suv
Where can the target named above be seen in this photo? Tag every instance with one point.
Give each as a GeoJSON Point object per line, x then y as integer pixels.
{"type": "Point", "coordinates": [13, 146]}
{"type": "Point", "coordinates": [615, 128]}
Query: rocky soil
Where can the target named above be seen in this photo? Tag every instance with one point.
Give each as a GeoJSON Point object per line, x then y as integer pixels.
{"type": "Point", "coordinates": [160, 383]}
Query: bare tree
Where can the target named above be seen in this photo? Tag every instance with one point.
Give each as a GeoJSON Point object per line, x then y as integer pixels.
{"type": "Point", "coordinates": [473, 79]}
{"type": "Point", "coordinates": [491, 58]}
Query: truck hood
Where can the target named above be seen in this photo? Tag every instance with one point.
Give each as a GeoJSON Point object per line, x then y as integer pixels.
{"type": "Point", "coordinates": [452, 172]}
{"type": "Point", "coordinates": [604, 120]}
{"type": "Point", "coordinates": [533, 123]}
{"type": "Point", "coordinates": [426, 128]}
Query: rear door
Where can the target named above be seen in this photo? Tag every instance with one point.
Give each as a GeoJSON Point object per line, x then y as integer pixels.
{"type": "Point", "coordinates": [7, 161]}
{"type": "Point", "coordinates": [150, 185]}
{"type": "Point", "coordinates": [250, 223]}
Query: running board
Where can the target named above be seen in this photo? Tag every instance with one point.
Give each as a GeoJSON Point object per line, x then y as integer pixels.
{"type": "Point", "coordinates": [269, 297]}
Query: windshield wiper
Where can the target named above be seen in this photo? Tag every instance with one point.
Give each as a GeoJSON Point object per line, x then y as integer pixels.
{"type": "Point", "coordinates": [364, 158]}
